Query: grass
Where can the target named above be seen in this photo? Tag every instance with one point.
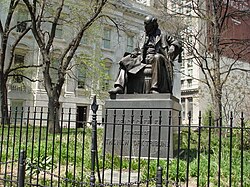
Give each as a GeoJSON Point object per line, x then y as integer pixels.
{"type": "Point", "coordinates": [66, 150]}
{"type": "Point", "coordinates": [74, 156]}
{"type": "Point", "coordinates": [213, 155]}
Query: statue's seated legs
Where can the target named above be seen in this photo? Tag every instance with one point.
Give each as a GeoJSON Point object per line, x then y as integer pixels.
{"type": "Point", "coordinates": [154, 77]}
{"type": "Point", "coordinates": [141, 82]}
{"type": "Point", "coordinates": [147, 71]}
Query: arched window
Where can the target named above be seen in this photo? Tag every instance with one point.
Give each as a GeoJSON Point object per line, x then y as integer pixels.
{"type": "Point", "coordinates": [106, 38]}
{"type": "Point", "coordinates": [18, 61]}
{"type": "Point", "coordinates": [22, 16]}
{"type": "Point", "coordinates": [59, 31]}
{"type": "Point", "coordinates": [130, 43]}
{"type": "Point", "coordinates": [82, 77]}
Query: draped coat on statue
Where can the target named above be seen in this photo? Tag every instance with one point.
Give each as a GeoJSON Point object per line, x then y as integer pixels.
{"type": "Point", "coordinates": [137, 60]}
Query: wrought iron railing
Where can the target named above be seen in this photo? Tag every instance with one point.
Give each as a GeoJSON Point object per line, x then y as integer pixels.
{"type": "Point", "coordinates": [123, 152]}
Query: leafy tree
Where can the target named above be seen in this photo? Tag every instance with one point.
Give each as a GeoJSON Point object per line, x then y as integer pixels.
{"type": "Point", "coordinates": [47, 18]}
{"type": "Point", "coordinates": [11, 35]}
{"type": "Point", "coordinates": [210, 41]}
{"type": "Point", "coordinates": [91, 69]}
{"type": "Point", "coordinates": [96, 77]}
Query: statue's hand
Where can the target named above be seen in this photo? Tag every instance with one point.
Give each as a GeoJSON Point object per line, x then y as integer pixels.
{"type": "Point", "coordinates": [133, 55]}
{"type": "Point", "coordinates": [171, 49]}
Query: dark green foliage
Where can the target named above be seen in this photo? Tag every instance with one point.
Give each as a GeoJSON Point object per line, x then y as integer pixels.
{"type": "Point", "coordinates": [233, 143]}
{"type": "Point", "coordinates": [208, 118]}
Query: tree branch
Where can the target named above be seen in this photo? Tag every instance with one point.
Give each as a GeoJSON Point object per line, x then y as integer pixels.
{"type": "Point", "coordinates": [54, 25]}
{"type": "Point", "coordinates": [23, 67]}
{"type": "Point", "coordinates": [70, 50]}
{"type": "Point", "coordinates": [13, 47]}
{"type": "Point", "coordinates": [28, 78]}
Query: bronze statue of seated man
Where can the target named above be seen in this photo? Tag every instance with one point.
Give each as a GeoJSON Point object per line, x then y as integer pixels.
{"type": "Point", "coordinates": [153, 55]}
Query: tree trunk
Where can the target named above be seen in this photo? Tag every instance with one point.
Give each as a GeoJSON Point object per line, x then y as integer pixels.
{"type": "Point", "coordinates": [217, 102]}
{"type": "Point", "coordinates": [53, 121]}
{"type": "Point", "coordinates": [4, 102]}
{"type": "Point", "coordinates": [215, 50]}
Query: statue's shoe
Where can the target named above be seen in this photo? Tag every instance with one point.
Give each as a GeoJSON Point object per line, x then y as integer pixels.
{"type": "Point", "coordinates": [116, 90]}
{"type": "Point", "coordinates": [154, 92]}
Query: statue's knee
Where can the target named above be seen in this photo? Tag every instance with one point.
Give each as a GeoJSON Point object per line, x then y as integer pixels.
{"type": "Point", "coordinates": [158, 57]}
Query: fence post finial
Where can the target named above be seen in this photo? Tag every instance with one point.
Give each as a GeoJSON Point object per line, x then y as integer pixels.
{"type": "Point", "coordinates": [94, 105]}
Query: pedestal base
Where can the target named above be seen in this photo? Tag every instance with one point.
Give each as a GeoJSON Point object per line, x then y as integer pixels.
{"type": "Point", "coordinates": [142, 125]}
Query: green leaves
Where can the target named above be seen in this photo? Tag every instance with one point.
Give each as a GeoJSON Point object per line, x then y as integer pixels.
{"type": "Point", "coordinates": [39, 164]}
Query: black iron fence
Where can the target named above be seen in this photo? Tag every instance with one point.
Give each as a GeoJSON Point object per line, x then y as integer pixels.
{"type": "Point", "coordinates": [129, 150]}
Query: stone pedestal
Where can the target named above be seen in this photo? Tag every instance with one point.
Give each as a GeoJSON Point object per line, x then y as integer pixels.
{"type": "Point", "coordinates": [142, 125]}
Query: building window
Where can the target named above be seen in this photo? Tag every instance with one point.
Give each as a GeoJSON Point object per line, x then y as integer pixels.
{"type": "Point", "coordinates": [190, 63]}
{"type": "Point", "coordinates": [183, 108]}
{"type": "Point", "coordinates": [130, 44]}
{"type": "Point", "coordinates": [17, 109]}
{"type": "Point", "coordinates": [190, 105]}
{"type": "Point", "coordinates": [59, 31]}
{"type": "Point", "coordinates": [183, 73]}
{"type": "Point", "coordinates": [105, 83]}
{"type": "Point", "coordinates": [179, 5]}
{"type": "Point", "coordinates": [145, 2]}
{"type": "Point", "coordinates": [183, 64]}
{"type": "Point", "coordinates": [189, 51]}
{"type": "Point", "coordinates": [85, 39]}
{"type": "Point", "coordinates": [189, 83]}
{"type": "Point", "coordinates": [173, 6]}
{"type": "Point", "coordinates": [180, 9]}
{"type": "Point", "coordinates": [190, 39]}
{"type": "Point", "coordinates": [188, 8]}
{"type": "Point", "coordinates": [107, 38]}
{"type": "Point", "coordinates": [190, 72]}
{"type": "Point", "coordinates": [22, 16]}
{"type": "Point", "coordinates": [81, 83]}
{"type": "Point", "coordinates": [182, 83]}
{"type": "Point", "coordinates": [18, 61]}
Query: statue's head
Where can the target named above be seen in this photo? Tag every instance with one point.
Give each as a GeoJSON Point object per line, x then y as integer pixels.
{"type": "Point", "coordinates": [150, 24]}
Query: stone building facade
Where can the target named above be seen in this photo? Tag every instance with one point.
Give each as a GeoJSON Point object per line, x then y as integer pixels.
{"type": "Point", "coordinates": [75, 94]}
{"type": "Point", "coordinates": [195, 95]}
